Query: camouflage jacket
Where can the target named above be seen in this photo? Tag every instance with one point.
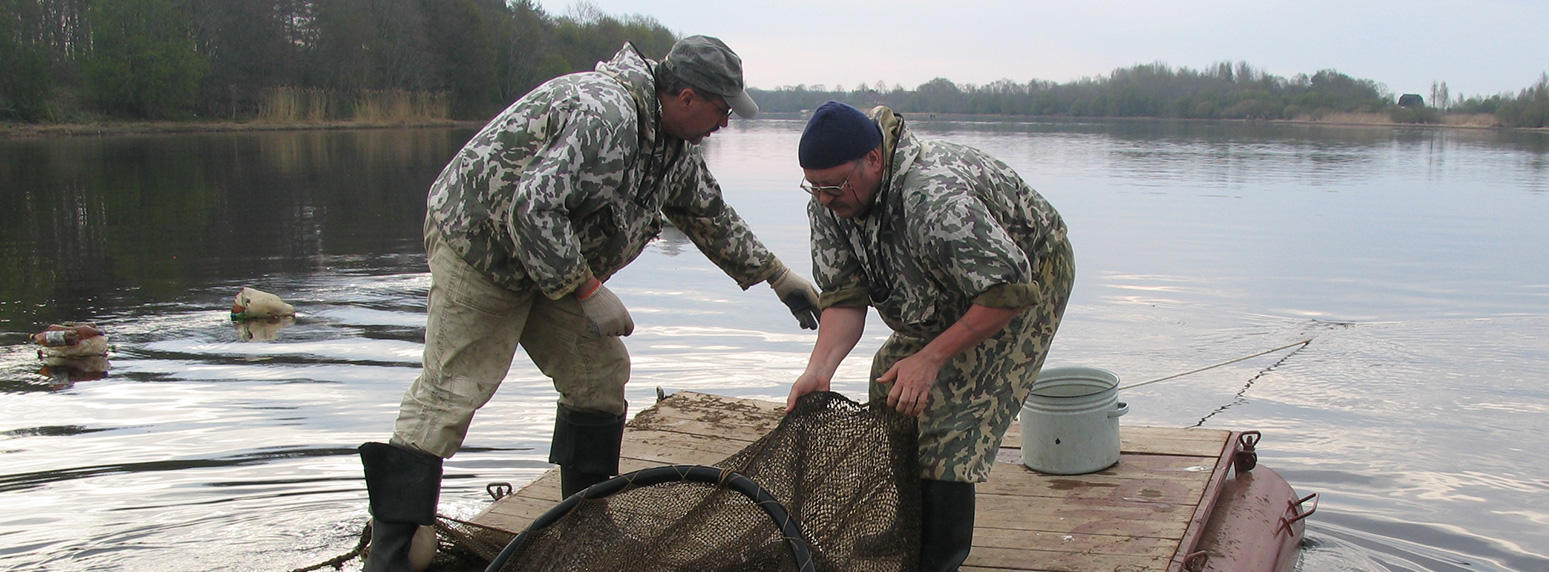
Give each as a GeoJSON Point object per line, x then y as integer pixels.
{"type": "Point", "coordinates": [573, 180]}
{"type": "Point", "coordinates": [950, 227]}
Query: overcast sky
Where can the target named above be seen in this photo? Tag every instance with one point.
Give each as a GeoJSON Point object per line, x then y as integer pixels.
{"type": "Point", "coordinates": [1480, 47]}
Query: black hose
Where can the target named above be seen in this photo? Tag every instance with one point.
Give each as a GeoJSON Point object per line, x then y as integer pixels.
{"type": "Point", "coordinates": [674, 473]}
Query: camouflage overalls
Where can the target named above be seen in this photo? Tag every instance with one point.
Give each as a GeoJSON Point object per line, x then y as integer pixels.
{"type": "Point", "coordinates": [951, 227]}
{"type": "Point", "coordinates": [570, 182]}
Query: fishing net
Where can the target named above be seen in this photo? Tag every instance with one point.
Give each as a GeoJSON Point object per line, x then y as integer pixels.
{"type": "Point", "coordinates": [844, 472]}
{"type": "Point", "coordinates": [462, 546]}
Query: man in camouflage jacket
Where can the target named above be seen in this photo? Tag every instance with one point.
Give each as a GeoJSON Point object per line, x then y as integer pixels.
{"type": "Point", "coordinates": [551, 198]}
{"type": "Point", "coordinates": [969, 267]}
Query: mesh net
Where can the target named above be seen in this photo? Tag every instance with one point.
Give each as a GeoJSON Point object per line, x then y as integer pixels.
{"type": "Point", "coordinates": [467, 546]}
{"type": "Point", "coordinates": [845, 471]}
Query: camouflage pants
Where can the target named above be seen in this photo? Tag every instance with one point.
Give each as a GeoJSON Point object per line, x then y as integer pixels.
{"type": "Point", "coordinates": [471, 336]}
{"type": "Point", "coordinates": [979, 392]}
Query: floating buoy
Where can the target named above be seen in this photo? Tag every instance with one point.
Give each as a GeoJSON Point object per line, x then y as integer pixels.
{"type": "Point", "coordinates": [71, 340]}
{"type": "Point", "coordinates": [254, 304]}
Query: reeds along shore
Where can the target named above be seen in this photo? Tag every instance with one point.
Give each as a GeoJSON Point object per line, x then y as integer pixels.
{"type": "Point", "coordinates": [1474, 120]}
{"type": "Point", "coordinates": [290, 104]}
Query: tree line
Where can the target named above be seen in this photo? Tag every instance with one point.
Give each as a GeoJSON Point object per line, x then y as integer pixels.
{"type": "Point", "coordinates": [68, 60]}
{"type": "Point", "coordinates": [64, 60]}
{"type": "Point", "coordinates": [1223, 91]}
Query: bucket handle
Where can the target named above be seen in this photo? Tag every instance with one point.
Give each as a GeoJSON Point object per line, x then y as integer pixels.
{"type": "Point", "coordinates": [1119, 409]}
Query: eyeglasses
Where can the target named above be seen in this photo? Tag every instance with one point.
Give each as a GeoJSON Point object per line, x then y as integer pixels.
{"type": "Point", "coordinates": [833, 191]}
{"type": "Point", "coordinates": [724, 112]}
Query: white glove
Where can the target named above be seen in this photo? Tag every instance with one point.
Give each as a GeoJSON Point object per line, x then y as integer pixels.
{"type": "Point", "coordinates": [798, 295]}
{"type": "Point", "coordinates": [608, 315]}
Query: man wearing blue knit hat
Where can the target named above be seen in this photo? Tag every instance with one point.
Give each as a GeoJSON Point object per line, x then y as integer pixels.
{"type": "Point", "coordinates": [970, 268]}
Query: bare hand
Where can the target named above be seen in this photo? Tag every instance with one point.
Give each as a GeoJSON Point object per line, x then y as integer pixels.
{"type": "Point", "coordinates": [912, 378]}
{"type": "Point", "coordinates": [807, 383]}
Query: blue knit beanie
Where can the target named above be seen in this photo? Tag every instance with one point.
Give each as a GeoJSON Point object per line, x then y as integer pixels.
{"type": "Point", "coordinates": [837, 134]}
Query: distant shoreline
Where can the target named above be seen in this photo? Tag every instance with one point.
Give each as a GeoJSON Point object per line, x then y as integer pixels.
{"type": "Point", "coordinates": [106, 128]}
{"type": "Point", "coordinates": [1476, 121]}
{"type": "Point", "coordinates": [110, 128]}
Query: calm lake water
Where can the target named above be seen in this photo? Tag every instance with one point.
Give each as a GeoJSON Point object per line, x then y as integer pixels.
{"type": "Point", "coordinates": [1414, 259]}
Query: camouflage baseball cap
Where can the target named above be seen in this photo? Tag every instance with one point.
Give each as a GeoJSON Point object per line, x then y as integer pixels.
{"type": "Point", "coordinates": [706, 63]}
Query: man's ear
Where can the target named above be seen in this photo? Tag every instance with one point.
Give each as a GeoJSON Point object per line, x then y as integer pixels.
{"type": "Point", "coordinates": [687, 96]}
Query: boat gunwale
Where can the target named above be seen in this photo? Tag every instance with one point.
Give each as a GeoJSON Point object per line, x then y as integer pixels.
{"type": "Point", "coordinates": [1194, 533]}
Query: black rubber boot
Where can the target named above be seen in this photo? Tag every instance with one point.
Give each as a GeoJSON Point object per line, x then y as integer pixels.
{"type": "Point", "coordinates": [586, 448]}
{"type": "Point", "coordinates": [404, 485]}
{"type": "Point", "coordinates": [946, 524]}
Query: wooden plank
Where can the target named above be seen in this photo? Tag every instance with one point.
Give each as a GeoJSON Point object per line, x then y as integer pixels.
{"type": "Point", "coordinates": [1146, 478]}
{"type": "Point", "coordinates": [1151, 440]}
{"type": "Point", "coordinates": [514, 512]}
{"type": "Point", "coordinates": [703, 414]}
{"type": "Point", "coordinates": [991, 558]}
{"type": "Point", "coordinates": [672, 448]}
{"type": "Point", "coordinates": [1089, 517]}
{"type": "Point", "coordinates": [1073, 542]}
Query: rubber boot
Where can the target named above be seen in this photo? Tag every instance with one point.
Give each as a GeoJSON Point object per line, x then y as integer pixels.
{"type": "Point", "coordinates": [404, 485]}
{"type": "Point", "coordinates": [946, 524]}
{"type": "Point", "coordinates": [586, 448]}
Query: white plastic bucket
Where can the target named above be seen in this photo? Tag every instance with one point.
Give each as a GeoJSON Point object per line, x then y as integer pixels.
{"type": "Point", "coordinates": [1070, 421]}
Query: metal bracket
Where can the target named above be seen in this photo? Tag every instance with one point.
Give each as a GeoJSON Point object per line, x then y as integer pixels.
{"type": "Point", "coordinates": [1295, 509]}
{"type": "Point", "coordinates": [1245, 459]}
{"type": "Point", "coordinates": [1195, 561]}
{"type": "Point", "coordinates": [498, 491]}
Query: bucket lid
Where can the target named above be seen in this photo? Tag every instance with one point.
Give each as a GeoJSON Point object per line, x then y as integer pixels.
{"type": "Point", "coordinates": [1074, 381]}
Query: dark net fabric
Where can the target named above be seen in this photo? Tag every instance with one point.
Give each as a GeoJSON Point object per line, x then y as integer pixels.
{"type": "Point", "coordinates": [467, 546]}
{"type": "Point", "coordinates": [846, 472]}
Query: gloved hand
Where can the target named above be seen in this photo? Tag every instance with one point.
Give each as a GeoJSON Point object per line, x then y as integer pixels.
{"type": "Point", "coordinates": [798, 295]}
{"type": "Point", "coordinates": [608, 315]}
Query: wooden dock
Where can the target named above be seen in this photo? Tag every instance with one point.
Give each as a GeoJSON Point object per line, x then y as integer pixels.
{"type": "Point", "coordinates": [1143, 514]}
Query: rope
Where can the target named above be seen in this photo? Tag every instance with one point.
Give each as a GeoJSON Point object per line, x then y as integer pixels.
{"type": "Point", "coordinates": [1302, 343]}
{"type": "Point", "coordinates": [337, 562]}
{"type": "Point", "coordinates": [1242, 393]}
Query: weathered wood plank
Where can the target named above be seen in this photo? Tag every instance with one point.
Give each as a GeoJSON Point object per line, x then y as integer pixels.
{"type": "Point", "coordinates": [1151, 440]}
{"type": "Point", "coordinates": [1089, 517]}
{"type": "Point", "coordinates": [994, 558]}
{"type": "Point", "coordinates": [670, 448]}
{"type": "Point", "coordinates": [703, 414]}
{"type": "Point", "coordinates": [1073, 542]}
{"type": "Point", "coordinates": [1150, 478]}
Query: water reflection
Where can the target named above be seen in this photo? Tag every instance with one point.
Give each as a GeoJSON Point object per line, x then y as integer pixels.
{"type": "Point", "coordinates": [155, 216]}
{"type": "Point", "coordinates": [262, 329]}
{"type": "Point", "coordinates": [1410, 257]}
{"type": "Point", "coordinates": [63, 373]}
